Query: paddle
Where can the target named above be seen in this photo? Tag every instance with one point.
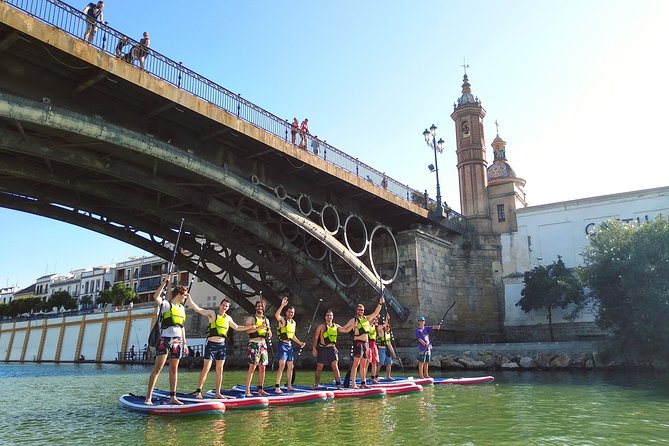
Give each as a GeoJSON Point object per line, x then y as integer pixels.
{"type": "Point", "coordinates": [154, 336]}
{"type": "Point", "coordinates": [441, 322]}
{"type": "Point", "coordinates": [269, 339]}
{"type": "Point", "coordinates": [292, 381]}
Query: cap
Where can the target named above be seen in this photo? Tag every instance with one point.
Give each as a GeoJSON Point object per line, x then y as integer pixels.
{"type": "Point", "coordinates": [421, 318]}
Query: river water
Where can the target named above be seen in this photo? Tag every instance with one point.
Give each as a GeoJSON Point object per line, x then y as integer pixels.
{"type": "Point", "coordinates": [78, 404]}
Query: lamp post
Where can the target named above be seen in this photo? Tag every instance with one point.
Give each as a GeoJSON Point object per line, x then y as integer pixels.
{"type": "Point", "coordinates": [437, 146]}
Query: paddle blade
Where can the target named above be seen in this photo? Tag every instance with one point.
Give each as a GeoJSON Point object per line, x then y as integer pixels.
{"type": "Point", "coordinates": [347, 379]}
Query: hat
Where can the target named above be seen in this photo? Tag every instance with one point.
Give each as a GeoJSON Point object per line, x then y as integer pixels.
{"type": "Point", "coordinates": [421, 318]}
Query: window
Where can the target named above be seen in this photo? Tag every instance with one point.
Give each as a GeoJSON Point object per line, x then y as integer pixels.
{"type": "Point", "coordinates": [501, 216]}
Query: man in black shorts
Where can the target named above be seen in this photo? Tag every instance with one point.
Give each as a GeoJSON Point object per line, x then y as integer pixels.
{"type": "Point", "coordinates": [325, 349]}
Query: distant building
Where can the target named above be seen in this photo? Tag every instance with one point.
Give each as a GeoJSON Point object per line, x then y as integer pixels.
{"type": "Point", "coordinates": [7, 294]}
{"type": "Point", "coordinates": [25, 293]}
{"type": "Point", "coordinates": [96, 280]}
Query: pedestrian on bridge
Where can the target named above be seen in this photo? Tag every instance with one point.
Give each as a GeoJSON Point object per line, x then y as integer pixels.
{"type": "Point", "coordinates": [142, 50]}
{"type": "Point", "coordinates": [304, 131]}
{"type": "Point", "coordinates": [294, 128]}
{"type": "Point", "coordinates": [93, 16]}
{"type": "Point", "coordinates": [119, 46]}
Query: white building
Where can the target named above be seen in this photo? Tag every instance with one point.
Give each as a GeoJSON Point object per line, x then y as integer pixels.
{"type": "Point", "coordinates": [7, 294]}
{"type": "Point", "coordinates": [561, 229]}
{"type": "Point", "coordinates": [95, 280]}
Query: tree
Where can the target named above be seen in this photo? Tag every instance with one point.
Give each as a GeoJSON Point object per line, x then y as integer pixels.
{"type": "Point", "coordinates": [627, 271]}
{"type": "Point", "coordinates": [550, 287]}
{"type": "Point", "coordinates": [121, 294]}
{"type": "Point", "coordinates": [86, 301]}
{"type": "Point", "coordinates": [62, 299]}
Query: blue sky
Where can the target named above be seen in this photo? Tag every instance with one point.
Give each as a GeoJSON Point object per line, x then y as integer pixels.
{"type": "Point", "coordinates": [579, 89]}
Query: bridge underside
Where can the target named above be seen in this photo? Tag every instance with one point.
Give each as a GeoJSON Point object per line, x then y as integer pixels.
{"type": "Point", "coordinates": [98, 148]}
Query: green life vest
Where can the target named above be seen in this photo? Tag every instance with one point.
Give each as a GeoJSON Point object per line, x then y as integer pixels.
{"type": "Point", "coordinates": [382, 338]}
{"type": "Point", "coordinates": [175, 316]}
{"type": "Point", "coordinates": [260, 332]}
{"type": "Point", "coordinates": [219, 327]}
{"type": "Point", "coordinates": [363, 325]}
{"type": "Point", "coordinates": [287, 332]}
{"type": "Point", "coordinates": [372, 332]}
{"type": "Point", "coordinates": [330, 334]}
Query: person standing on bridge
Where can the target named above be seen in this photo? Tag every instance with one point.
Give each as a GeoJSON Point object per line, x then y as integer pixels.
{"type": "Point", "coordinates": [304, 131]}
{"type": "Point", "coordinates": [285, 353]}
{"type": "Point", "coordinates": [142, 50]}
{"type": "Point", "coordinates": [215, 349]}
{"type": "Point", "coordinates": [294, 128]}
{"type": "Point", "coordinates": [257, 347]}
{"type": "Point", "coordinates": [93, 16]}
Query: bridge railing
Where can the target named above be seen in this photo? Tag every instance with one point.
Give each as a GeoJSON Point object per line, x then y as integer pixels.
{"type": "Point", "coordinates": [73, 22]}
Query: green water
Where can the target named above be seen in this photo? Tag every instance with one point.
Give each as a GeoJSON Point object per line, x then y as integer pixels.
{"type": "Point", "coordinates": [78, 404]}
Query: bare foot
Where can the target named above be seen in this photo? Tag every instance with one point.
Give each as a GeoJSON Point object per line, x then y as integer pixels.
{"type": "Point", "coordinates": [262, 392]}
{"type": "Point", "coordinates": [219, 396]}
{"type": "Point", "coordinates": [148, 402]}
{"type": "Point", "coordinates": [277, 390]}
{"type": "Point", "coordinates": [199, 396]}
{"type": "Point", "coordinates": [364, 386]}
{"type": "Point", "coordinates": [176, 401]}
{"type": "Point", "coordinates": [291, 389]}
{"type": "Point", "coordinates": [313, 387]}
{"type": "Point", "coordinates": [248, 394]}
{"type": "Point", "coordinates": [354, 387]}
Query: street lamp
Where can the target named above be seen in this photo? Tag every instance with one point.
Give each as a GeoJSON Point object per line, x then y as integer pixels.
{"type": "Point", "coordinates": [437, 146]}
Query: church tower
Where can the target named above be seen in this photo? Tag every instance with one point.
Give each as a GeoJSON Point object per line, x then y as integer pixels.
{"type": "Point", "coordinates": [468, 115]}
{"type": "Point", "coordinates": [505, 190]}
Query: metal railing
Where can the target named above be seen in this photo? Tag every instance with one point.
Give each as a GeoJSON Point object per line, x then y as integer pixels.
{"type": "Point", "coordinates": [73, 22]}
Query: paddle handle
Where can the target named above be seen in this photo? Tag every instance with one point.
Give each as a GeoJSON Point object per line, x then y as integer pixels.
{"type": "Point", "coordinates": [445, 314]}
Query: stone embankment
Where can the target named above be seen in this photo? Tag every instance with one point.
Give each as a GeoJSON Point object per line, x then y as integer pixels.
{"type": "Point", "coordinates": [484, 360]}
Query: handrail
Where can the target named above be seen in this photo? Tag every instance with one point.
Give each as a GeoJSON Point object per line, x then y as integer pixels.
{"type": "Point", "coordinates": [73, 22]}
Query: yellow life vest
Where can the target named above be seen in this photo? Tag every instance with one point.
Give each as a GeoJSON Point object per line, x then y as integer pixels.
{"type": "Point", "coordinates": [382, 338]}
{"type": "Point", "coordinates": [219, 327]}
{"type": "Point", "coordinates": [175, 316]}
{"type": "Point", "coordinates": [260, 332]}
{"type": "Point", "coordinates": [363, 325]}
{"type": "Point", "coordinates": [287, 332]}
{"type": "Point", "coordinates": [372, 332]}
{"type": "Point", "coordinates": [330, 335]}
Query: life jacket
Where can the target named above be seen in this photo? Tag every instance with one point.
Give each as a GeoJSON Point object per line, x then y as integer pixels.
{"type": "Point", "coordinates": [372, 332]}
{"type": "Point", "coordinates": [175, 316]}
{"type": "Point", "coordinates": [363, 326]}
{"type": "Point", "coordinates": [287, 332]}
{"type": "Point", "coordinates": [382, 338]}
{"type": "Point", "coordinates": [330, 335]}
{"type": "Point", "coordinates": [219, 327]}
{"type": "Point", "coordinates": [260, 332]}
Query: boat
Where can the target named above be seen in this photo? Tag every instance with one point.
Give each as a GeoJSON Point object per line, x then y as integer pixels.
{"type": "Point", "coordinates": [162, 406]}
{"type": "Point", "coordinates": [279, 399]}
{"type": "Point", "coordinates": [231, 402]}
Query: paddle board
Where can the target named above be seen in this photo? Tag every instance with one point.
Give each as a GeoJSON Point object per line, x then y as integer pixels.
{"type": "Point", "coordinates": [162, 406]}
{"type": "Point", "coordinates": [231, 402]}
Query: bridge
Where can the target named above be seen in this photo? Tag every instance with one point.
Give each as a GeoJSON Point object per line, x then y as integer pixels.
{"type": "Point", "coordinates": [92, 140]}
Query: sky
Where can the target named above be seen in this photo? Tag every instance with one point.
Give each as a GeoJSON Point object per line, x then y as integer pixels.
{"type": "Point", "coordinates": [579, 89]}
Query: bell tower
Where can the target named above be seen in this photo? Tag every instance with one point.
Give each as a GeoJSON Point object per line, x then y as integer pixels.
{"type": "Point", "coordinates": [468, 115]}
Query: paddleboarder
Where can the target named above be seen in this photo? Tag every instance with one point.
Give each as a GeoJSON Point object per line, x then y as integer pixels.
{"type": "Point", "coordinates": [385, 346]}
{"type": "Point", "coordinates": [257, 347]}
{"type": "Point", "coordinates": [172, 336]}
{"type": "Point", "coordinates": [325, 349]}
{"type": "Point", "coordinates": [424, 346]}
{"type": "Point", "coordinates": [360, 324]}
{"type": "Point", "coordinates": [286, 335]}
{"type": "Point", "coordinates": [216, 347]}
